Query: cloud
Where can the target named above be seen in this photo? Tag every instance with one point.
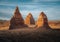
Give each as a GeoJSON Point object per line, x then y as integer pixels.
{"type": "Point", "coordinates": [50, 7]}
{"type": "Point", "coordinates": [7, 10]}
{"type": "Point", "coordinates": [4, 18]}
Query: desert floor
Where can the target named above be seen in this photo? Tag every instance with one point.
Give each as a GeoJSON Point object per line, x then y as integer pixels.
{"type": "Point", "coordinates": [30, 35]}
{"type": "Point", "coordinates": [4, 25]}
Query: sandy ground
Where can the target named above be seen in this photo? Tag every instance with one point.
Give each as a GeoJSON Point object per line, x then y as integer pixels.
{"type": "Point", "coordinates": [30, 35]}
{"type": "Point", "coordinates": [31, 26]}
{"type": "Point", "coordinates": [4, 25]}
{"type": "Point", "coordinates": [4, 28]}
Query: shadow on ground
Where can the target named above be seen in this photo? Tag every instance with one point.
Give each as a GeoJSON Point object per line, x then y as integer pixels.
{"type": "Point", "coordinates": [30, 35]}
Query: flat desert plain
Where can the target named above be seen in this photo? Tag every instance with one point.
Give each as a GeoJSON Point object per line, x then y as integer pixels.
{"type": "Point", "coordinates": [30, 34]}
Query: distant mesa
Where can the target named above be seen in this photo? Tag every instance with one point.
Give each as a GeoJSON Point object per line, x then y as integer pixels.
{"type": "Point", "coordinates": [17, 20]}
{"type": "Point", "coordinates": [42, 21]}
{"type": "Point", "coordinates": [29, 20]}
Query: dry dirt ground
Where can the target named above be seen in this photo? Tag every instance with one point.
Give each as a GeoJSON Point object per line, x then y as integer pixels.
{"type": "Point", "coordinates": [4, 25]}
{"type": "Point", "coordinates": [29, 34]}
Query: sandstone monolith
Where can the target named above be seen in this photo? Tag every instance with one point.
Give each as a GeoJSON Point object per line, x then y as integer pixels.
{"type": "Point", "coordinates": [29, 20]}
{"type": "Point", "coordinates": [17, 20]}
{"type": "Point", "coordinates": [42, 20]}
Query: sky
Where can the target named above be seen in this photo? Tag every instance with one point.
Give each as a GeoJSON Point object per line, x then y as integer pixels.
{"type": "Point", "coordinates": [50, 7]}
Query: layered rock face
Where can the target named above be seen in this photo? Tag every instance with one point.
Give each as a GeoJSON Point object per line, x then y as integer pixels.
{"type": "Point", "coordinates": [42, 20]}
{"type": "Point", "coordinates": [29, 19]}
{"type": "Point", "coordinates": [17, 20]}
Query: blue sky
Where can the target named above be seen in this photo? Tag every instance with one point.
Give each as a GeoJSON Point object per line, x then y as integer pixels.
{"type": "Point", "coordinates": [50, 7]}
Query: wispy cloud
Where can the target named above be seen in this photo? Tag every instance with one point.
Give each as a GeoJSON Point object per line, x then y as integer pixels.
{"type": "Point", "coordinates": [50, 7]}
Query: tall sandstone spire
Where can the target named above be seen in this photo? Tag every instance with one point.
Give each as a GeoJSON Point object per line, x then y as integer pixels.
{"type": "Point", "coordinates": [29, 19]}
{"type": "Point", "coordinates": [17, 20]}
{"type": "Point", "coordinates": [42, 20]}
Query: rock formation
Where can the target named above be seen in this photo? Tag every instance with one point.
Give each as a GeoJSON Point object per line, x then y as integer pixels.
{"type": "Point", "coordinates": [17, 20]}
{"type": "Point", "coordinates": [42, 20]}
{"type": "Point", "coordinates": [29, 19]}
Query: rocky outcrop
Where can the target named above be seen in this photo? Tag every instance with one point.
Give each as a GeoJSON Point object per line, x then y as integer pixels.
{"type": "Point", "coordinates": [17, 20]}
{"type": "Point", "coordinates": [42, 20]}
{"type": "Point", "coordinates": [29, 19]}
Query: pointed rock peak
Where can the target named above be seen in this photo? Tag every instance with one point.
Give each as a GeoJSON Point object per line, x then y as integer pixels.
{"type": "Point", "coordinates": [42, 13]}
{"type": "Point", "coordinates": [30, 15]}
{"type": "Point", "coordinates": [17, 13]}
{"type": "Point", "coordinates": [29, 19]}
{"type": "Point", "coordinates": [17, 9]}
{"type": "Point", "coordinates": [17, 20]}
{"type": "Point", "coordinates": [42, 20]}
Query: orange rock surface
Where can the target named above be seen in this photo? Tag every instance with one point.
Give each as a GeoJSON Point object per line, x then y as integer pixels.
{"type": "Point", "coordinates": [29, 19]}
{"type": "Point", "coordinates": [42, 20]}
